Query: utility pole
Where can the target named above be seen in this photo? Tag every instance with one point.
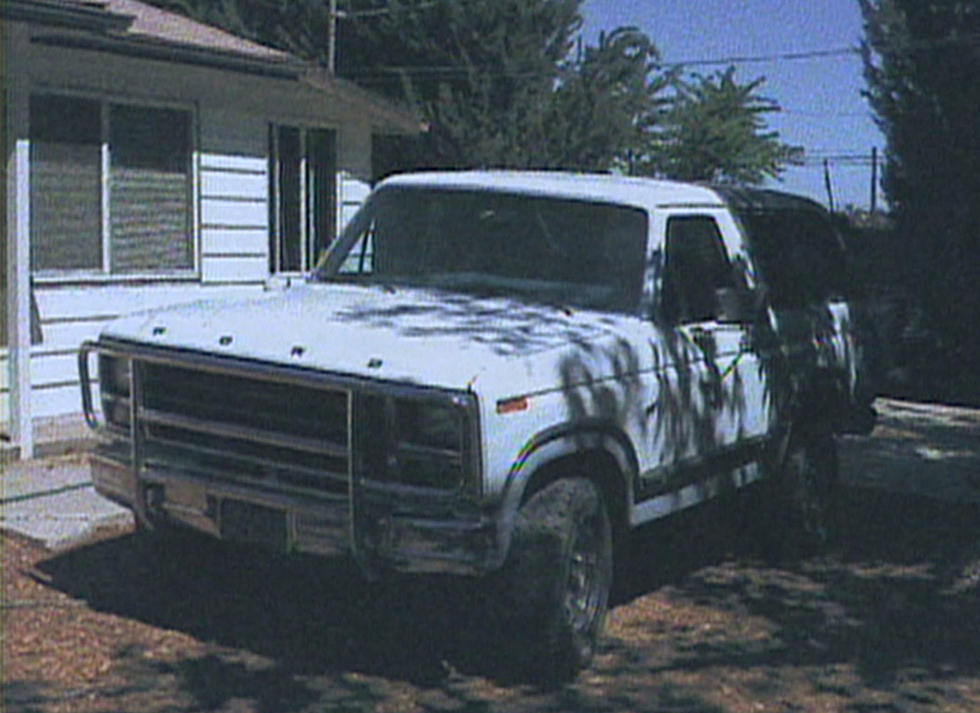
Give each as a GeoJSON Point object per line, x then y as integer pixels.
{"type": "Point", "coordinates": [874, 180]}
{"type": "Point", "coordinates": [826, 180]}
{"type": "Point", "coordinates": [332, 39]}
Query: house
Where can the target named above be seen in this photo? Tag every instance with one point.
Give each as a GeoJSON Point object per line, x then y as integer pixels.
{"type": "Point", "coordinates": [151, 159]}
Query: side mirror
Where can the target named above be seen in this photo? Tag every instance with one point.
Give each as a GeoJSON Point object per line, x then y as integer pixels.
{"type": "Point", "coordinates": [741, 305]}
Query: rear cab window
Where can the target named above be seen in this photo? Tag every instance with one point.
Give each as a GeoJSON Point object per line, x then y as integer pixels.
{"type": "Point", "coordinates": [799, 254]}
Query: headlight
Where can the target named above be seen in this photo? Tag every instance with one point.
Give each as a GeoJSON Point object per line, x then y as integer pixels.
{"type": "Point", "coordinates": [425, 442]}
{"type": "Point", "coordinates": [114, 385]}
{"type": "Point", "coordinates": [114, 374]}
{"type": "Point", "coordinates": [429, 425]}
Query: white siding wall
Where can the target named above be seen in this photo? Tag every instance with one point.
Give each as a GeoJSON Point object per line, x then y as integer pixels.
{"type": "Point", "coordinates": [70, 315]}
{"type": "Point", "coordinates": [351, 193]}
{"type": "Point", "coordinates": [234, 218]}
{"type": "Point", "coordinates": [232, 115]}
{"type": "Point", "coordinates": [234, 262]}
{"type": "Point", "coordinates": [233, 257]}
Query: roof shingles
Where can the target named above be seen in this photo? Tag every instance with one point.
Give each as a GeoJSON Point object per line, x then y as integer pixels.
{"type": "Point", "coordinates": [153, 23]}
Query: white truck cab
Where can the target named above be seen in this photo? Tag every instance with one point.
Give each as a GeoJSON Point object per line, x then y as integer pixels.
{"type": "Point", "coordinates": [497, 373]}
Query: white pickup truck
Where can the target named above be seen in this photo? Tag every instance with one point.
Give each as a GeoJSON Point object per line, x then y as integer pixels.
{"type": "Point", "coordinates": [498, 374]}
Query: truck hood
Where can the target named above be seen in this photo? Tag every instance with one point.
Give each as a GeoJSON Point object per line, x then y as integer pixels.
{"type": "Point", "coordinates": [412, 335]}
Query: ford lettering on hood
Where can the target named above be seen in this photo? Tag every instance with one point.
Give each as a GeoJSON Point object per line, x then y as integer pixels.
{"type": "Point", "coordinates": [377, 331]}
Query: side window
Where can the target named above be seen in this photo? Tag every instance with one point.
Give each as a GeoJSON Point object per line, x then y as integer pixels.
{"type": "Point", "coordinates": [800, 255]}
{"type": "Point", "coordinates": [66, 184]}
{"type": "Point", "coordinates": [149, 189]}
{"type": "Point", "coordinates": [696, 266]}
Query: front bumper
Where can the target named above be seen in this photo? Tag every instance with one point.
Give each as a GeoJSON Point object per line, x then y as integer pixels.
{"type": "Point", "coordinates": [285, 458]}
{"type": "Point", "coordinates": [385, 529]}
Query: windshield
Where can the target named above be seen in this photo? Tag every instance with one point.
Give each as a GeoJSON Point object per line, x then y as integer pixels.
{"type": "Point", "coordinates": [553, 250]}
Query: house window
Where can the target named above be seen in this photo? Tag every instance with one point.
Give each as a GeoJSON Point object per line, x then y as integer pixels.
{"type": "Point", "coordinates": [110, 187]}
{"type": "Point", "coordinates": [149, 206]}
{"type": "Point", "coordinates": [302, 206]}
{"type": "Point", "coordinates": [66, 184]}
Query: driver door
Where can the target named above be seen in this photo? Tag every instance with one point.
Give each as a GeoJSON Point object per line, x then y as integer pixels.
{"type": "Point", "coordinates": [719, 394]}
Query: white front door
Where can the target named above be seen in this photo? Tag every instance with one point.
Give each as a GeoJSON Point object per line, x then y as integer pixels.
{"type": "Point", "coordinates": [709, 414]}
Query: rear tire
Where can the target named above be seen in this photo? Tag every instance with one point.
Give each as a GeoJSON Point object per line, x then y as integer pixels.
{"type": "Point", "coordinates": [811, 478]}
{"type": "Point", "coordinates": [799, 509]}
{"type": "Point", "coordinates": [558, 577]}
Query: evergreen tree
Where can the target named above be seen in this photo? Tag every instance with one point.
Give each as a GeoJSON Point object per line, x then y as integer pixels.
{"type": "Point", "coordinates": [481, 73]}
{"type": "Point", "coordinates": [500, 83]}
{"type": "Point", "coordinates": [300, 27]}
{"type": "Point", "coordinates": [922, 60]}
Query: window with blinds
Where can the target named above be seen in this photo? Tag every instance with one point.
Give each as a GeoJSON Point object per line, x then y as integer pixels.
{"type": "Point", "coordinates": [66, 183]}
{"type": "Point", "coordinates": [110, 187]}
{"type": "Point", "coordinates": [149, 190]}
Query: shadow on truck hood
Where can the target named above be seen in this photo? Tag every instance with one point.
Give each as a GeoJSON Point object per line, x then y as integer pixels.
{"type": "Point", "coordinates": [406, 334]}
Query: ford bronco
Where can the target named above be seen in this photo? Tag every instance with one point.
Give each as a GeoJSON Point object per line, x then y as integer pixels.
{"type": "Point", "coordinates": [498, 374]}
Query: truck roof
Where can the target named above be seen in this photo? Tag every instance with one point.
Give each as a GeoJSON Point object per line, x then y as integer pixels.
{"type": "Point", "coordinates": [606, 188]}
{"type": "Point", "coordinates": [609, 188]}
{"type": "Point", "coordinates": [754, 199]}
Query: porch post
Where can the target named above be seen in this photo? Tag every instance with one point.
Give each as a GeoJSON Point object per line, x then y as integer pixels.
{"type": "Point", "coordinates": [19, 300]}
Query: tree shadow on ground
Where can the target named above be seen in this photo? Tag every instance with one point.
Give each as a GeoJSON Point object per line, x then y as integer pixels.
{"type": "Point", "coordinates": [311, 615]}
{"type": "Point", "coordinates": [898, 598]}
{"type": "Point", "coordinates": [302, 634]}
{"type": "Point", "coordinates": [919, 448]}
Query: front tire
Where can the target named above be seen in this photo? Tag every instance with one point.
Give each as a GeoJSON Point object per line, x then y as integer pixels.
{"type": "Point", "coordinates": [558, 577]}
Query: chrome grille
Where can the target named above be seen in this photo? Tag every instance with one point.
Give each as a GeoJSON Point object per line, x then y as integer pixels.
{"type": "Point", "coordinates": [245, 427]}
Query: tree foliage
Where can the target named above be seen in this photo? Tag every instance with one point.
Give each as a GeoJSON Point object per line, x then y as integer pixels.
{"type": "Point", "coordinates": [300, 27]}
{"type": "Point", "coordinates": [510, 83]}
{"type": "Point", "coordinates": [922, 60]}
{"type": "Point", "coordinates": [715, 130]}
{"type": "Point", "coordinates": [607, 101]}
{"type": "Point", "coordinates": [481, 73]}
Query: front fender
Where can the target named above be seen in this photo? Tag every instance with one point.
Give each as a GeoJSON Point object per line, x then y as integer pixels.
{"type": "Point", "coordinates": [528, 470]}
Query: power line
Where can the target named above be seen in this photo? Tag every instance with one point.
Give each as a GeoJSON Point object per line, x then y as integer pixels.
{"type": "Point", "coordinates": [377, 12]}
{"type": "Point", "coordinates": [673, 64]}
{"type": "Point", "coordinates": [860, 160]}
{"type": "Point", "coordinates": [828, 114]}
{"type": "Point", "coordinates": [806, 55]}
{"type": "Point", "coordinates": [968, 39]}
{"type": "Point", "coordinates": [854, 163]}
{"type": "Point", "coordinates": [972, 39]}
{"type": "Point", "coordinates": [838, 153]}
{"type": "Point", "coordinates": [734, 59]}
{"type": "Point", "coordinates": [778, 57]}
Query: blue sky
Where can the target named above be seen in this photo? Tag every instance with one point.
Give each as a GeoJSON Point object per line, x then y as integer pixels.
{"type": "Point", "coordinates": [823, 110]}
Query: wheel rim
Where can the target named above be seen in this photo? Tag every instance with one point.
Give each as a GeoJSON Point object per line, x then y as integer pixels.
{"type": "Point", "coordinates": [585, 587]}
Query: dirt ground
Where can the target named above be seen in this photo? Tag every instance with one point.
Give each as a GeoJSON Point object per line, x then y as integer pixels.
{"type": "Point", "coordinates": [889, 621]}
